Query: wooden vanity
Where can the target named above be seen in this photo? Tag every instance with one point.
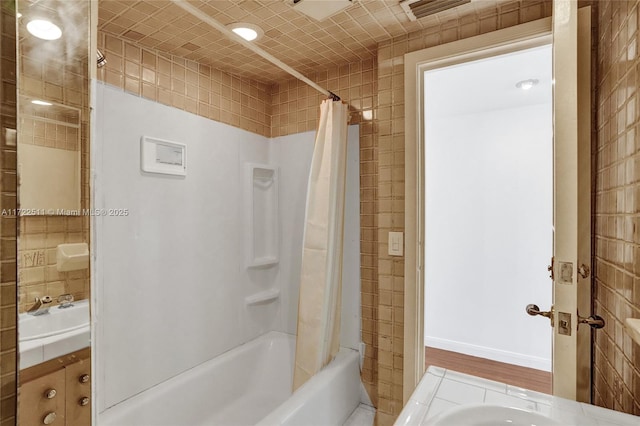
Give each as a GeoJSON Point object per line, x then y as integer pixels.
{"type": "Point", "coordinates": [57, 392]}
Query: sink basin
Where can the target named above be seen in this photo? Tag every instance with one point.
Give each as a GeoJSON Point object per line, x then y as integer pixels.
{"type": "Point", "coordinates": [57, 321]}
{"type": "Point", "coordinates": [490, 415]}
{"type": "Point", "coordinates": [48, 336]}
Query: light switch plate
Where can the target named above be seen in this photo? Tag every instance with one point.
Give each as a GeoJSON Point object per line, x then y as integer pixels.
{"type": "Point", "coordinates": [396, 243]}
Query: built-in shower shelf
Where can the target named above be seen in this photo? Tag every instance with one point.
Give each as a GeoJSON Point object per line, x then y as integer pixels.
{"type": "Point", "coordinates": [633, 328]}
{"type": "Point", "coordinates": [262, 297]}
{"type": "Point", "coordinates": [261, 215]}
{"type": "Point", "coordinates": [262, 262]}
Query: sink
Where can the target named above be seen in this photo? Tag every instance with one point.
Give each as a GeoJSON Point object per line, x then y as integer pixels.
{"type": "Point", "coordinates": [57, 333]}
{"type": "Point", "coordinates": [57, 321]}
{"type": "Point", "coordinates": [490, 415]}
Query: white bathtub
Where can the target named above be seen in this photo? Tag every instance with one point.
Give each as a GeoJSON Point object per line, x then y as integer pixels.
{"type": "Point", "coordinates": [248, 385]}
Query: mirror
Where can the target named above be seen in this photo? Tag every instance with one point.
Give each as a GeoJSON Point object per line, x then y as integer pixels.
{"type": "Point", "coordinates": [48, 158]}
{"type": "Point", "coordinates": [53, 195]}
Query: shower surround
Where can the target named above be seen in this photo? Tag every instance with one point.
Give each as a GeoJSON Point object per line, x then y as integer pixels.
{"type": "Point", "coordinates": [175, 265]}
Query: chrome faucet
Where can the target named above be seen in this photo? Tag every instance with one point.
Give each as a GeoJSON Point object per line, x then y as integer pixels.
{"type": "Point", "coordinates": [41, 306]}
{"type": "Point", "coordinates": [65, 301]}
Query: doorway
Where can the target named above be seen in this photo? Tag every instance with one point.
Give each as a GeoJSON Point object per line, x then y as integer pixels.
{"type": "Point", "coordinates": [488, 205]}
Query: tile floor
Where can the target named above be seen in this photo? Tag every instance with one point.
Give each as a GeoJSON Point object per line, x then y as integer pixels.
{"type": "Point", "coordinates": [361, 416]}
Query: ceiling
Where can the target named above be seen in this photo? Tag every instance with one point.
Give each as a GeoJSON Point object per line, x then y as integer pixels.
{"type": "Point", "coordinates": [73, 17]}
{"type": "Point", "coordinates": [489, 84]}
{"type": "Point", "coordinates": [301, 42]}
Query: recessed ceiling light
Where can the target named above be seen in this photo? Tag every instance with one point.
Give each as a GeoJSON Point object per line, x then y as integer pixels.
{"type": "Point", "coordinates": [249, 32]}
{"type": "Point", "coordinates": [39, 102]}
{"type": "Point", "coordinates": [527, 84]}
{"type": "Point", "coordinates": [19, 15]}
{"type": "Point", "coordinates": [44, 29]}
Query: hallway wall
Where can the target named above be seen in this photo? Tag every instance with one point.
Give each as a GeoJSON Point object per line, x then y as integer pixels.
{"type": "Point", "coordinates": [617, 204]}
{"type": "Point", "coordinates": [488, 226]}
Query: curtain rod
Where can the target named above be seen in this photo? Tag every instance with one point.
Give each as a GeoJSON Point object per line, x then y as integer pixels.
{"type": "Point", "coordinates": [233, 36]}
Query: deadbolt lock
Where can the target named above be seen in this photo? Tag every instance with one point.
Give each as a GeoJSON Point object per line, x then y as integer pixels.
{"type": "Point", "coordinates": [564, 323]}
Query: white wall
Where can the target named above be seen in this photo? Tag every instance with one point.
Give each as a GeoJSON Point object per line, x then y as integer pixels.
{"type": "Point", "coordinates": [170, 277]}
{"type": "Point", "coordinates": [488, 233]}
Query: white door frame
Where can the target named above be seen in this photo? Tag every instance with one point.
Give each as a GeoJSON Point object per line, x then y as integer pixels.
{"type": "Point", "coordinates": [529, 35]}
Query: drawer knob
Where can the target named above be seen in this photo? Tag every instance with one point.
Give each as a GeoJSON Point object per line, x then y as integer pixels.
{"type": "Point", "coordinates": [83, 401]}
{"type": "Point", "coordinates": [51, 393]}
{"type": "Point", "coordinates": [49, 418]}
{"type": "Point", "coordinates": [84, 378]}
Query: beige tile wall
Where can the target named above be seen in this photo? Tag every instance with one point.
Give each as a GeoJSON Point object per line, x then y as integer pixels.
{"type": "Point", "coordinates": [41, 133]}
{"type": "Point", "coordinates": [617, 224]}
{"type": "Point", "coordinates": [60, 78]}
{"type": "Point", "coordinates": [390, 192]}
{"type": "Point", "coordinates": [8, 223]}
{"type": "Point", "coordinates": [38, 276]}
{"type": "Point", "coordinates": [186, 85]}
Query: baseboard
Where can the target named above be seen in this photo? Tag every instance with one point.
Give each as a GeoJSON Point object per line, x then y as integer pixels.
{"type": "Point", "coordinates": [490, 353]}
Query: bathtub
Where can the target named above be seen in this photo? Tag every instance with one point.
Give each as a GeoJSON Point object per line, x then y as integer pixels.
{"type": "Point", "coordinates": [248, 385]}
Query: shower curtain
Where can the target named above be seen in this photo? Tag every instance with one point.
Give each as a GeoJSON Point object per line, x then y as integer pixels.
{"type": "Point", "coordinates": [318, 334]}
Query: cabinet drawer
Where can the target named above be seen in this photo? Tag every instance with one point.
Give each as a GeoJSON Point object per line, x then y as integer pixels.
{"type": "Point", "coordinates": [40, 398]}
{"type": "Point", "coordinates": [78, 393]}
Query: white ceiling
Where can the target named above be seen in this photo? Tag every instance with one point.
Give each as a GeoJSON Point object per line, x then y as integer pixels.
{"type": "Point", "coordinates": [489, 84]}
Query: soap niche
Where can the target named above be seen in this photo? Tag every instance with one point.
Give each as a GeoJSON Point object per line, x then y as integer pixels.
{"type": "Point", "coordinates": [262, 227]}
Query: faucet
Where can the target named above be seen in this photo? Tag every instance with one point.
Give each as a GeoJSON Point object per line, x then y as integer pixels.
{"type": "Point", "coordinates": [65, 301]}
{"type": "Point", "coordinates": [41, 306]}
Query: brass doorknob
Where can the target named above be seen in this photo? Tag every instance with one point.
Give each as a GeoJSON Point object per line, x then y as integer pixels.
{"type": "Point", "coordinates": [83, 401]}
{"type": "Point", "coordinates": [534, 310]}
{"type": "Point", "coordinates": [50, 393]}
{"type": "Point", "coordinates": [84, 378]}
{"type": "Point", "coordinates": [594, 321]}
{"type": "Point", "coordinates": [49, 418]}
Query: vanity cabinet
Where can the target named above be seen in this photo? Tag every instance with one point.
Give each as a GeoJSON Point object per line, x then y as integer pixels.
{"type": "Point", "coordinates": [57, 392]}
{"type": "Point", "coordinates": [41, 399]}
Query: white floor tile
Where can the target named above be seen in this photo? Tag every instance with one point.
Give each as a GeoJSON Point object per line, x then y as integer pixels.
{"type": "Point", "coordinates": [361, 416]}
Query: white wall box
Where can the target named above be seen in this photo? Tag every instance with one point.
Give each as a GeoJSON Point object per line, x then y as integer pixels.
{"type": "Point", "coordinates": [163, 157]}
{"type": "Point", "coordinates": [262, 228]}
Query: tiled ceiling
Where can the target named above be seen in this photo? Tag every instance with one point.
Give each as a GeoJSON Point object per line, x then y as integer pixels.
{"type": "Point", "coordinates": [301, 42]}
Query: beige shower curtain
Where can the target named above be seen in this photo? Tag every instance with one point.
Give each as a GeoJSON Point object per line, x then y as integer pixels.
{"type": "Point", "coordinates": [318, 335]}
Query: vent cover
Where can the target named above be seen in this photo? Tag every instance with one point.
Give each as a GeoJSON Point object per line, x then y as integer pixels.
{"type": "Point", "coordinates": [321, 9]}
{"type": "Point", "coordinates": [416, 9]}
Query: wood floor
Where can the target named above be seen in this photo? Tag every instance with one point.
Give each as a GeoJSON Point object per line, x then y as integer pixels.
{"type": "Point", "coordinates": [515, 375]}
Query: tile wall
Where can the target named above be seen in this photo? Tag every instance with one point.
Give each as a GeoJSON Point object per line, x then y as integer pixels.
{"type": "Point", "coordinates": [8, 222]}
{"type": "Point", "coordinates": [186, 85]}
{"type": "Point", "coordinates": [617, 204]}
{"type": "Point", "coordinates": [61, 78]}
{"type": "Point", "coordinates": [390, 189]}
